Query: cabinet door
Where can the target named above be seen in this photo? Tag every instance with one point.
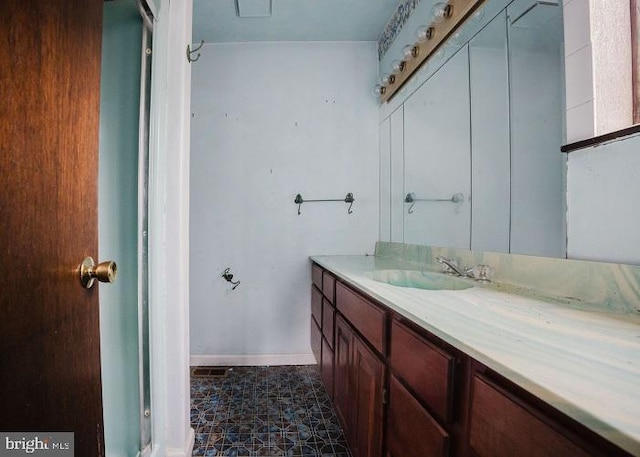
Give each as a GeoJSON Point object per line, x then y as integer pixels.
{"type": "Point", "coordinates": [368, 382]}
{"type": "Point", "coordinates": [316, 341]}
{"type": "Point", "coordinates": [501, 427]}
{"type": "Point", "coordinates": [327, 367]}
{"type": "Point", "coordinates": [411, 431]}
{"type": "Point", "coordinates": [343, 347]}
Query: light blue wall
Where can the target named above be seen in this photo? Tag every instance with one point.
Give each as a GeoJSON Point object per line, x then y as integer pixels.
{"type": "Point", "coordinates": [269, 123]}
{"type": "Point", "coordinates": [117, 214]}
{"type": "Point", "coordinates": [603, 185]}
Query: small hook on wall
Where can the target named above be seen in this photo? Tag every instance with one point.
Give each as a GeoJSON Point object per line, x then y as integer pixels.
{"type": "Point", "coordinates": [349, 199]}
{"type": "Point", "coordinates": [192, 51]}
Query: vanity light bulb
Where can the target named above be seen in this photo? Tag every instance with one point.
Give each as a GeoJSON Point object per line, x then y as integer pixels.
{"type": "Point", "coordinates": [441, 11]}
{"type": "Point", "coordinates": [379, 90]}
{"type": "Point", "coordinates": [421, 34]}
{"type": "Point", "coordinates": [424, 33]}
{"type": "Point", "coordinates": [397, 66]}
{"type": "Point", "coordinates": [388, 79]}
{"type": "Point", "coordinates": [410, 51]}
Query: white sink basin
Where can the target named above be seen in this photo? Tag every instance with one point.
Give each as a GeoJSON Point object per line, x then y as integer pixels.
{"type": "Point", "coordinates": [420, 280]}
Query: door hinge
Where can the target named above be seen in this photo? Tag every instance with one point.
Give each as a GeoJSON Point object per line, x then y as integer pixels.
{"type": "Point", "coordinates": [385, 397]}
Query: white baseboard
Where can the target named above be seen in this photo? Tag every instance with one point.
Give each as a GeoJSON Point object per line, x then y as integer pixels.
{"type": "Point", "coordinates": [188, 447]}
{"type": "Point", "coordinates": [252, 360]}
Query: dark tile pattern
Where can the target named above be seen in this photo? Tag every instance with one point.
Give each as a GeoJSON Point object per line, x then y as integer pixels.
{"type": "Point", "coordinates": [265, 411]}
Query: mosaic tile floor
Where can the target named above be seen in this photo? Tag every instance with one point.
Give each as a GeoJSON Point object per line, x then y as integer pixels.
{"type": "Point", "coordinates": [265, 411]}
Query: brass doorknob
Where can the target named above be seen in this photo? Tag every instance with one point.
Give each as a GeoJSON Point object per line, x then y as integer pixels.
{"type": "Point", "coordinates": [103, 272]}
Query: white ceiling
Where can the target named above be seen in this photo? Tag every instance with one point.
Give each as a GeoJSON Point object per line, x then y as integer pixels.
{"type": "Point", "coordinates": [215, 21]}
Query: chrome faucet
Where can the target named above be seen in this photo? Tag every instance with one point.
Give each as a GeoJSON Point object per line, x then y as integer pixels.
{"type": "Point", "coordinates": [452, 266]}
{"type": "Point", "coordinates": [480, 273]}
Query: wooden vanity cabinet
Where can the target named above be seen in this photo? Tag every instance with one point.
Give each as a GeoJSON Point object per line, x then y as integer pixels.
{"type": "Point", "coordinates": [439, 401]}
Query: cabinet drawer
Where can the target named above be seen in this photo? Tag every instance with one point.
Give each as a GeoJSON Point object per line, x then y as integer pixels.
{"type": "Point", "coordinates": [328, 314]}
{"type": "Point", "coordinates": [329, 286]}
{"type": "Point", "coordinates": [316, 305]}
{"type": "Point", "coordinates": [411, 431]}
{"type": "Point", "coordinates": [501, 427]}
{"type": "Point", "coordinates": [316, 275]}
{"type": "Point", "coordinates": [365, 317]}
{"type": "Point", "coordinates": [428, 370]}
{"type": "Point", "coordinates": [316, 341]}
{"type": "Point", "coordinates": [327, 367]}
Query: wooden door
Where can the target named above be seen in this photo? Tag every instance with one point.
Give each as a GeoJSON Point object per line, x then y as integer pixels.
{"type": "Point", "coordinates": [50, 54]}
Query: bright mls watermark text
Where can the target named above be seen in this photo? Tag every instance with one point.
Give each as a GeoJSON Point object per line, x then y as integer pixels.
{"type": "Point", "coordinates": [36, 443]}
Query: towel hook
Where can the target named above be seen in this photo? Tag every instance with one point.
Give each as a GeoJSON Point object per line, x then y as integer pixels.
{"type": "Point", "coordinates": [410, 198]}
{"type": "Point", "coordinates": [191, 51]}
{"type": "Point", "coordinates": [349, 199]}
{"type": "Point", "coordinates": [299, 201]}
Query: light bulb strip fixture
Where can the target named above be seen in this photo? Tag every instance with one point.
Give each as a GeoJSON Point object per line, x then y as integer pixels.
{"type": "Point", "coordinates": [453, 14]}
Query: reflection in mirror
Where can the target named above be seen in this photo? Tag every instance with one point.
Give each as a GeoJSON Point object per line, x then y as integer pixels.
{"type": "Point", "coordinates": [490, 170]}
{"type": "Point", "coordinates": [437, 157]}
{"type": "Point", "coordinates": [488, 124]}
{"type": "Point", "coordinates": [535, 34]}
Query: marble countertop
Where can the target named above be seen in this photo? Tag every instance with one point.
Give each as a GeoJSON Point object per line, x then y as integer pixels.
{"type": "Point", "coordinates": [582, 360]}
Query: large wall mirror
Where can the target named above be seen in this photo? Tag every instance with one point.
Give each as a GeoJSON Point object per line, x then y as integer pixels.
{"type": "Point", "coordinates": [480, 139]}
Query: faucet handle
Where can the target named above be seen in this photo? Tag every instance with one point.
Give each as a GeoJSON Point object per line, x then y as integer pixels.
{"type": "Point", "coordinates": [481, 273]}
